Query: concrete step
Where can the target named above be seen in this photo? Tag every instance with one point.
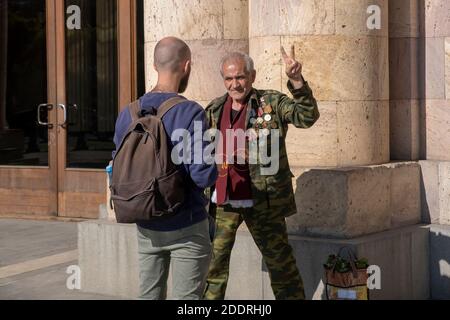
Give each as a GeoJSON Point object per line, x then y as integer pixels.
{"type": "Point", "coordinates": [109, 262]}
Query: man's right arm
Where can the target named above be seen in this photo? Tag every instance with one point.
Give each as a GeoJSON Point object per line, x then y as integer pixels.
{"type": "Point", "coordinates": [204, 175]}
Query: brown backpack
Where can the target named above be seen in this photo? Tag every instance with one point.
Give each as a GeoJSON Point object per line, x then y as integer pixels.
{"type": "Point", "coordinates": [146, 185]}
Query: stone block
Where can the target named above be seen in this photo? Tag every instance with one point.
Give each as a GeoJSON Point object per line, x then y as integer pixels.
{"type": "Point", "coordinates": [347, 68]}
{"type": "Point", "coordinates": [306, 17]}
{"type": "Point", "coordinates": [363, 132]}
{"type": "Point", "coordinates": [437, 18]}
{"type": "Point", "coordinates": [316, 146]}
{"type": "Point", "coordinates": [404, 129]}
{"type": "Point", "coordinates": [267, 57]}
{"type": "Point", "coordinates": [404, 18]}
{"type": "Point", "coordinates": [291, 17]}
{"type": "Point", "coordinates": [108, 259]}
{"type": "Point", "coordinates": [264, 18]}
{"type": "Point", "coordinates": [205, 83]}
{"type": "Point", "coordinates": [353, 21]}
{"type": "Point", "coordinates": [351, 202]}
{"type": "Point", "coordinates": [298, 171]}
{"type": "Point", "coordinates": [235, 19]}
{"type": "Point", "coordinates": [437, 129]}
{"type": "Point", "coordinates": [312, 211]}
{"type": "Point", "coordinates": [401, 254]}
{"type": "Point", "coordinates": [405, 191]}
{"type": "Point", "coordinates": [203, 20]}
{"type": "Point", "coordinates": [434, 68]}
{"type": "Point", "coordinates": [403, 68]}
{"type": "Point", "coordinates": [347, 133]}
{"type": "Point", "coordinates": [440, 262]}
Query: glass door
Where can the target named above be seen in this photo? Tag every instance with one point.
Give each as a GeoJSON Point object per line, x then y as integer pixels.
{"type": "Point", "coordinates": [92, 62]}
{"type": "Point", "coordinates": [61, 63]}
{"type": "Point", "coordinates": [28, 157]}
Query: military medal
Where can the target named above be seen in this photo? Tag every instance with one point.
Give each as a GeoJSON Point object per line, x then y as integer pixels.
{"type": "Point", "coordinates": [267, 118]}
{"type": "Point", "coordinates": [274, 125]}
{"type": "Point", "coordinates": [260, 120]}
{"type": "Point", "coordinates": [268, 109]}
{"type": "Point", "coordinates": [260, 112]}
{"type": "Point", "coordinates": [266, 132]}
{"type": "Point", "coordinates": [252, 121]}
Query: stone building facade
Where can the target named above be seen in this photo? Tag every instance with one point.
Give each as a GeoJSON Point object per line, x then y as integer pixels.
{"type": "Point", "coordinates": [383, 96]}
{"type": "Point", "coordinates": [374, 172]}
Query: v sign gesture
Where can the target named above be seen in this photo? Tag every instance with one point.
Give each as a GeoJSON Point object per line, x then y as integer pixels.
{"type": "Point", "coordinates": [293, 68]}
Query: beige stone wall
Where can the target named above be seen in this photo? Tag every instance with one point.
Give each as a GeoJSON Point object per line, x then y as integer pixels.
{"type": "Point", "coordinates": [210, 27]}
{"type": "Point", "coordinates": [345, 63]}
{"type": "Point", "coordinates": [436, 104]}
{"type": "Point", "coordinates": [377, 89]}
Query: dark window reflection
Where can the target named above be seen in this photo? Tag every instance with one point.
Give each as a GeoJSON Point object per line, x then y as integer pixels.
{"type": "Point", "coordinates": [23, 83]}
{"type": "Point", "coordinates": [91, 66]}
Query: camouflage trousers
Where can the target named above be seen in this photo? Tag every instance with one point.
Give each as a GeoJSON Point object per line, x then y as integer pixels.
{"type": "Point", "coordinates": [268, 229]}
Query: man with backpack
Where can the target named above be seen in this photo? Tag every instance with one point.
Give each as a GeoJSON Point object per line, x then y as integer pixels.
{"type": "Point", "coordinates": [182, 236]}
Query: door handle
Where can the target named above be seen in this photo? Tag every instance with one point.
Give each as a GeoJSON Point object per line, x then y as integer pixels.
{"type": "Point", "coordinates": [49, 107]}
{"type": "Point", "coordinates": [62, 106]}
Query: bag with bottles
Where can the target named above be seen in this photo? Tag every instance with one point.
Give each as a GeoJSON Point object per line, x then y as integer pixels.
{"type": "Point", "coordinates": [346, 276]}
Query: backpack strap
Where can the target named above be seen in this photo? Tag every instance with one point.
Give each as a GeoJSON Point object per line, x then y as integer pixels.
{"type": "Point", "coordinates": [135, 110]}
{"type": "Point", "coordinates": [169, 104]}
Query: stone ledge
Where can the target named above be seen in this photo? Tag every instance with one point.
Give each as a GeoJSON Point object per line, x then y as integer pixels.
{"type": "Point", "coordinates": [108, 258]}
{"type": "Point", "coordinates": [402, 255]}
{"type": "Point", "coordinates": [109, 262]}
{"type": "Point", "coordinates": [351, 202]}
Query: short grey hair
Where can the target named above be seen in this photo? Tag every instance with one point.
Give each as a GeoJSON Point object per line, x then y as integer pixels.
{"type": "Point", "coordinates": [249, 64]}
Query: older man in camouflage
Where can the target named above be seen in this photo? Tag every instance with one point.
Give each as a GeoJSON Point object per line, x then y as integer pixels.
{"type": "Point", "coordinates": [243, 192]}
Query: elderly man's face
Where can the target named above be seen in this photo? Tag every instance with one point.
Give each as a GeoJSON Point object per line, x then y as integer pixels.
{"type": "Point", "coordinates": [238, 80]}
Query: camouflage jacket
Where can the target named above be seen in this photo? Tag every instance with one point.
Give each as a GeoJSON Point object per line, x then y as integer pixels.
{"type": "Point", "coordinates": [274, 191]}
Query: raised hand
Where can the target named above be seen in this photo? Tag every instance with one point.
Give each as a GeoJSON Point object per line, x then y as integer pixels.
{"type": "Point", "coordinates": [293, 67]}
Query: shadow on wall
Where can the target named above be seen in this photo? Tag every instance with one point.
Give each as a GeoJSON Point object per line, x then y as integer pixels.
{"type": "Point", "coordinates": [440, 262]}
{"type": "Point", "coordinates": [408, 73]}
{"type": "Point", "coordinates": [425, 195]}
{"type": "Point", "coordinates": [422, 73]}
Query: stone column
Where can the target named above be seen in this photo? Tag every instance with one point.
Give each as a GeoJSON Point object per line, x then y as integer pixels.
{"type": "Point", "coordinates": [346, 65]}
{"type": "Point", "coordinates": [435, 110]}
{"type": "Point", "coordinates": [435, 143]}
{"type": "Point", "coordinates": [3, 60]}
{"type": "Point", "coordinates": [404, 49]}
{"type": "Point", "coordinates": [210, 27]}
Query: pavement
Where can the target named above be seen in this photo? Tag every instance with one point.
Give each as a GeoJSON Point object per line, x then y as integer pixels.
{"type": "Point", "coordinates": [34, 260]}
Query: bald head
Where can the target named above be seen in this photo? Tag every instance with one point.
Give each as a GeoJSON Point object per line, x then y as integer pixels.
{"type": "Point", "coordinates": [170, 54]}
